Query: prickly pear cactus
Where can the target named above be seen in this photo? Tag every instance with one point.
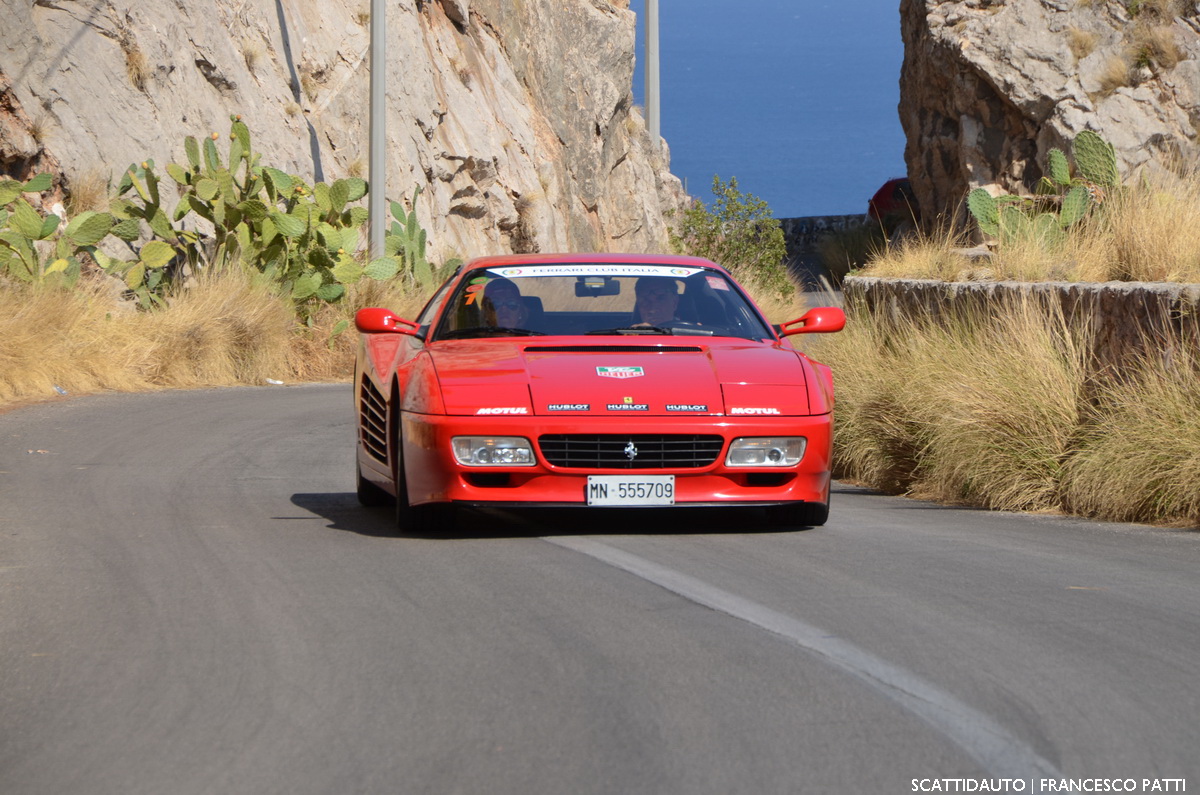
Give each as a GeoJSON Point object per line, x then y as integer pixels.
{"type": "Point", "coordinates": [986, 212]}
{"type": "Point", "coordinates": [1096, 159]}
{"type": "Point", "coordinates": [1061, 201]}
{"type": "Point", "coordinates": [305, 239]}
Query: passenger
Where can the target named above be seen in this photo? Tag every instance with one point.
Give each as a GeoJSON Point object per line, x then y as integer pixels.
{"type": "Point", "coordinates": [502, 304]}
{"type": "Point", "coordinates": [657, 300]}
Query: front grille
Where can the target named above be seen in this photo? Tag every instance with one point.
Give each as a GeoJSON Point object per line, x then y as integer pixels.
{"type": "Point", "coordinates": [611, 450]}
{"type": "Point", "coordinates": [373, 421]}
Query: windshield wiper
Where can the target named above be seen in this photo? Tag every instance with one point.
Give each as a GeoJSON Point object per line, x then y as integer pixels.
{"type": "Point", "coordinates": [630, 330]}
{"type": "Point", "coordinates": [490, 331]}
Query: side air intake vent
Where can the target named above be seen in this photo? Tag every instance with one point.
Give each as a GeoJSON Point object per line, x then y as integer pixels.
{"type": "Point", "coordinates": [373, 425]}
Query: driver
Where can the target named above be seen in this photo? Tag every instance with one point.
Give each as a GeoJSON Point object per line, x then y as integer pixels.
{"type": "Point", "coordinates": [657, 300]}
{"type": "Point", "coordinates": [502, 301]}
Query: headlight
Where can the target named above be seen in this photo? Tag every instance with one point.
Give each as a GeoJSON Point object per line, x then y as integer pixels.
{"type": "Point", "coordinates": [493, 451]}
{"type": "Point", "coordinates": [766, 451]}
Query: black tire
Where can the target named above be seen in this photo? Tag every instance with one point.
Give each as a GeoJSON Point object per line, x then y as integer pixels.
{"type": "Point", "coordinates": [369, 494]}
{"type": "Point", "coordinates": [799, 514]}
{"type": "Point", "coordinates": [422, 520]}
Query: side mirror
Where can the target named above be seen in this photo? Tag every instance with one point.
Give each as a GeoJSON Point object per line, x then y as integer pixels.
{"type": "Point", "coordinates": [821, 320]}
{"type": "Point", "coordinates": [383, 321]}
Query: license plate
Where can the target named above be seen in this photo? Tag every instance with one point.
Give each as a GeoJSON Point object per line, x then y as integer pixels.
{"type": "Point", "coordinates": [631, 490]}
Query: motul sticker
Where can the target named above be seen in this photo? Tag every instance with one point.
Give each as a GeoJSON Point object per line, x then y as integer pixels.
{"type": "Point", "coordinates": [504, 410]}
{"type": "Point", "coordinates": [686, 407]}
{"type": "Point", "coordinates": [569, 407]}
{"type": "Point", "coordinates": [742, 410]}
{"type": "Point", "coordinates": [620, 372]}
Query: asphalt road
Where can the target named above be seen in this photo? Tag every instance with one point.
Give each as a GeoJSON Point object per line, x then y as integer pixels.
{"type": "Point", "coordinates": [191, 601]}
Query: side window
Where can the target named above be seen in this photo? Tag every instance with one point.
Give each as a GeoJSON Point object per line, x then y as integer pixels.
{"type": "Point", "coordinates": [431, 307]}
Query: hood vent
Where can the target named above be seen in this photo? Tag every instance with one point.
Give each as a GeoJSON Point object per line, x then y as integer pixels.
{"type": "Point", "coordinates": [613, 349]}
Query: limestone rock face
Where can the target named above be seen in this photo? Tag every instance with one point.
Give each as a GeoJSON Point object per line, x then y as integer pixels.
{"type": "Point", "coordinates": [515, 118]}
{"type": "Point", "coordinates": [988, 87]}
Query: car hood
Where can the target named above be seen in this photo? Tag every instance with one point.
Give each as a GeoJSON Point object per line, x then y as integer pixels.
{"type": "Point", "coordinates": [680, 377]}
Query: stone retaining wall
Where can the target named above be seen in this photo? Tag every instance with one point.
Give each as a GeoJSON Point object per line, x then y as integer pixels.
{"type": "Point", "coordinates": [1124, 315]}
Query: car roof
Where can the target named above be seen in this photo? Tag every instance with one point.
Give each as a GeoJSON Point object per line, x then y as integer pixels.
{"type": "Point", "coordinates": [509, 260]}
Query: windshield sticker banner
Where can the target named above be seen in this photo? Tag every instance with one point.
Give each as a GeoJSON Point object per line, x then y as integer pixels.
{"type": "Point", "coordinates": [592, 270]}
{"type": "Point", "coordinates": [620, 372]}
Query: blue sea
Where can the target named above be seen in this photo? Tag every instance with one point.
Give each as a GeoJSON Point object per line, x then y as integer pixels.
{"type": "Point", "coordinates": [795, 98]}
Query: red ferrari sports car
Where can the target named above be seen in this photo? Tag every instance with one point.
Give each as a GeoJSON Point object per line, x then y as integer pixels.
{"type": "Point", "coordinates": [592, 380]}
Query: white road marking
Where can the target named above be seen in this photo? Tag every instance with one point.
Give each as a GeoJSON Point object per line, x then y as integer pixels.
{"type": "Point", "coordinates": [996, 750]}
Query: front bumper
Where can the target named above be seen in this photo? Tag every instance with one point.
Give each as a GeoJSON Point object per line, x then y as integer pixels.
{"type": "Point", "coordinates": [433, 475]}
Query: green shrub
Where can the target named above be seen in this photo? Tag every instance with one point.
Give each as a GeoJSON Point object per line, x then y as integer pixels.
{"type": "Point", "coordinates": [739, 233]}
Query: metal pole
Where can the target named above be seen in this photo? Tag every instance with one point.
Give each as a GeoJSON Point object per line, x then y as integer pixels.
{"type": "Point", "coordinates": [376, 169]}
{"type": "Point", "coordinates": [651, 71]}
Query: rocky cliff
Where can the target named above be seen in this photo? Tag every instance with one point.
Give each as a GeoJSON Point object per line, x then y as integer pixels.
{"type": "Point", "coordinates": [516, 118]}
{"type": "Point", "coordinates": [988, 87]}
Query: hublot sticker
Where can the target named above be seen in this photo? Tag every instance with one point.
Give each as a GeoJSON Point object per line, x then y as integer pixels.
{"type": "Point", "coordinates": [686, 407]}
{"type": "Point", "coordinates": [569, 407]}
{"type": "Point", "coordinates": [628, 406]}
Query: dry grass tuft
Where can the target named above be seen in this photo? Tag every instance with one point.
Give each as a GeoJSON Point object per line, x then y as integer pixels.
{"type": "Point", "coordinates": [1163, 9]}
{"type": "Point", "coordinates": [39, 128]}
{"type": "Point", "coordinates": [137, 65]}
{"type": "Point", "coordinates": [1157, 44]}
{"type": "Point", "coordinates": [309, 85]}
{"type": "Point", "coordinates": [1115, 74]}
{"type": "Point", "coordinates": [88, 191]}
{"type": "Point", "coordinates": [1001, 407]}
{"type": "Point", "coordinates": [1147, 231]}
{"type": "Point", "coordinates": [923, 255]}
{"type": "Point", "coordinates": [225, 329]}
{"type": "Point", "coordinates": [252, 53]}
{"type": "Point", "coordinates": [1139, 458]}
{"type": "Point", "coordinates": [977, 409]}
{"type": "Point", "coordinates": [1082, 43]}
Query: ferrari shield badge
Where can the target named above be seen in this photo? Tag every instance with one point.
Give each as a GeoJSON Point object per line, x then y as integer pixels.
{"type": "Point", "coordinates": [620, 372]}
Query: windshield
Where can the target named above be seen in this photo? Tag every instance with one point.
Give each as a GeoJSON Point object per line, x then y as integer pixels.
{"type": "Point", "coordinates": [599, 299]}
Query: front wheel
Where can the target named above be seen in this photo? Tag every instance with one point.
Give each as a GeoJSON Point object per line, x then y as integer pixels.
{"type": "Point", "coordinates": [799, 514]}
{"type": "Point", "coordinates": [422, 520]}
